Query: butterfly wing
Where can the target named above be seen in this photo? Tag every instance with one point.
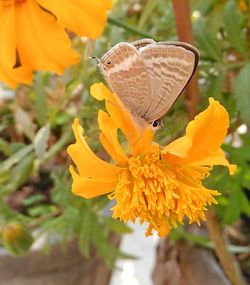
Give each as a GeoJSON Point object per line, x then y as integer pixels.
{"type": "Point", "coordinates": [170, 66]}
{"type": "Point", "coordinates": [142, 43]}
{"type": "Point", "coordinates": [126, 73]}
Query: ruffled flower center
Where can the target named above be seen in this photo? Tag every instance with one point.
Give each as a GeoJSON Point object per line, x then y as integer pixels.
{"type": "Point", "coordinates": [159, 193]}
{"type": "Point", "coordinates": [11, 2]}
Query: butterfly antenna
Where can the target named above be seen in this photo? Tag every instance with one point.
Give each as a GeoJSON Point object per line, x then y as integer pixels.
{"type": "Point", "coordinates": [95, 58]}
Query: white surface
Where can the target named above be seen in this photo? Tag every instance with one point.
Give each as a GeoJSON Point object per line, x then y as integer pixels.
{"type": "Point", "coordinates": [139, 271]}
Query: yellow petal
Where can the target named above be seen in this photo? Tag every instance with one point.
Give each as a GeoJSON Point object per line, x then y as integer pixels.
{"type": "Point", "coordinates": [204, 135]}
{"type": "Point", "coordinates": [89, 188]}
{"type": "Point", "coordinates": [139, 140]}
{"type": "Point", "coordinates": [164, 229]}
{"type": "Point", "coordinates": [109, 139]}
{"type": "Point", "coordinates": [180, 147]}
{"type": "Point", "coordinates": [85, 18]}
{"type": "Point", "coordinates": [41, 42]}
{"type": "Point", "coordinates": [117, 111]}
{"type": "Point", "coordinates": [88, 164]}
{"type": "Point", "coordinates": [144, 141]}
{"type": "Point", "coordinates": [8, 73]}
{"type": "Point", "coordinates": [217, 158]}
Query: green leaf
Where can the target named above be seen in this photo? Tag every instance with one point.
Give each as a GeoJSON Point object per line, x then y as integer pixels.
{"type": "Point", "coordinates": [214, 19]}
{"type": "Point", "coordinates": [24, 122]}
{"type": "Point", "coordinates": [32, 200]}
{"type": "Point", "coordinates": [216, 83]}
{"type": "Point", "coordinates": [4, 147]}
{"type": "Point", "coordinates": [238, 154]}
{"type": "Point", "coordinates": [178, 234]}
{"type": "Point", "coordinates": [245, 204]}
{"type": "Point", "coordinates": [100, 240]}
{"type": "Point", "coordinates": [205, 41]}
{"type": "Point", "coordinates": [233, 27]}
{"type": "Point", "coordinates": [41, 141]}
{"type": "Point", "coordinates": [117, 226]}
{"type": "Point", "coordinates": [15, 158]}
{"type": "Point", "coordinates": [234, 207]}
{"type": "Point", "coordinates": [19, 174]}
{"type": "Point", "coordinates": [41, 210]}
{"type": "Point", "coordinates": [242, 93]}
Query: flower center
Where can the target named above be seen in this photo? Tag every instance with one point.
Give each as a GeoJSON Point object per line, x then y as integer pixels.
{"type": "Point", "coordinates": [159, 193]}
{"type": "Point", "coordinates": [11, 2]}
{"type": "Point", "coordinates": [146, 190]}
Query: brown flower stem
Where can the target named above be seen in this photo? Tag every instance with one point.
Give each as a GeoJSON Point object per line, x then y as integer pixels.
{"type": "Point", "coordinates": [227, 260]}
{"type": "Point", "coordinates": [184, 31]}
{"type": "Point", "coordinates": [185, 34]}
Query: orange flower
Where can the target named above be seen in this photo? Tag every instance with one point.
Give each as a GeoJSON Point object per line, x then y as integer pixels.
{"type": "Point", "coordinates": [33, 37]}
{"type": "Point", "coordinates": [157, 185]}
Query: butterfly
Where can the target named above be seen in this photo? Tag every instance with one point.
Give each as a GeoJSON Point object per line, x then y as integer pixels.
{"type": "Point", "coordinates": [149, 76]}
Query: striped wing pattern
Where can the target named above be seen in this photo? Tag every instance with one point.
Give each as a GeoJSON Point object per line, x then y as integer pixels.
{"type": "Point", "coordinates": [147, 76]}
{"type": "Point", "coordinates": [169, 68]}
{"type": "Point", "coordinates": [127, 76]}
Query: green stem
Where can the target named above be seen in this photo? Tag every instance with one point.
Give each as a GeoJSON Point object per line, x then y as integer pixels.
{"type": "Point", "coordinates": [225, 66]}
{"type": "Point", "coordinates": [129, 28]}
{"type": "Point", "coordinates": [65, 139]}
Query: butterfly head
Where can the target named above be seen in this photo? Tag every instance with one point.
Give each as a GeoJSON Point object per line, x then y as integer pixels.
{"type": "Point", "coordinates": [156, 125]}
{"type": "Point", "coordinates": [107, 62]}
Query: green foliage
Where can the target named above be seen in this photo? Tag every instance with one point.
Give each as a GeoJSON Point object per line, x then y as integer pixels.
{"type": "Point", "coordinates": [35, 126]}
{"type": "Point", "coordinates": [234, 28]}
{"type": "Point", "coordinates": [241, 92]}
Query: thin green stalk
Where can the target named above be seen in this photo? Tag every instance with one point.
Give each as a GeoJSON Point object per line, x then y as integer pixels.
{"type": "Point", "coordinates": [64, 140]}
{"type": "Point", "coordinates": [128, 28]}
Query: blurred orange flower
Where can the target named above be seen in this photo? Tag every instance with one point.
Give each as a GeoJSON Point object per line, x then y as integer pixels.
{"type": "Point", "coordinates": [157, 185]}
{"type": "Point", "coordinates": [33, 36]}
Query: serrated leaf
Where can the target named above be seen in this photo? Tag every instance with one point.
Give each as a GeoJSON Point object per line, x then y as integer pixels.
{"type": "Point", "coordinates": [205, 41]}
{"type": "Point", "coordinates": [100, 240]}
{"type": "Point", "coordinates": [41, 141]}
{"type": "Point", "coordinates": [233, 27]}
{"type": "Point", "coordinates": [242, 93]}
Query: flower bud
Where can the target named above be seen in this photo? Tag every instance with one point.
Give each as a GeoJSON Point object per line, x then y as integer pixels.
{"type": "Point", "coordinates": [16, 238]}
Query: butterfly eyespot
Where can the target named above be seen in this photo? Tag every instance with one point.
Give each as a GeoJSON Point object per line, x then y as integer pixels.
{"type": "Point", "coordinates": [155, 124]}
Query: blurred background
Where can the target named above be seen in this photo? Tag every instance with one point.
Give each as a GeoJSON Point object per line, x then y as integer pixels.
{"type": "Point", "coordinates": [63, 239]}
